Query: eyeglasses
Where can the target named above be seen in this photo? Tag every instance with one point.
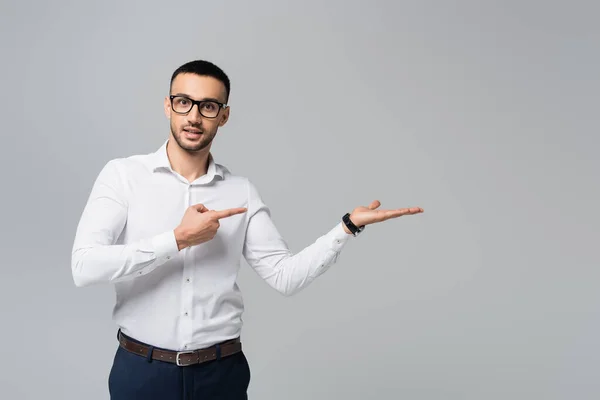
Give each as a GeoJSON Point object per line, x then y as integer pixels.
{"type": "Point", "coordinates": [207, 108]}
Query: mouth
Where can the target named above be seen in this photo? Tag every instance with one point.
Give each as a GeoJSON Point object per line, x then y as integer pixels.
{"type": "Point", "coordinates": [192, 133]}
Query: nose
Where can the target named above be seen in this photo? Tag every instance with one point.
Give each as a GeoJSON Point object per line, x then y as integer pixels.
{"type": "Point", "coordinates": [194, 114]}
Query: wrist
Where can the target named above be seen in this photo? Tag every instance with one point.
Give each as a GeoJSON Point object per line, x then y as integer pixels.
{"type": "Point", "coordinates": [350, 226]}
{"type": "Point", "coordinates": [181, 238]}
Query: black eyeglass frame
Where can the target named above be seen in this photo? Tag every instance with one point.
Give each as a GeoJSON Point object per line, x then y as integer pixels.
{"type": "Point", "coordinates": [199, 104]}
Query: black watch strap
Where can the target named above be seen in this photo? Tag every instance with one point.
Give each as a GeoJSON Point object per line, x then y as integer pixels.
{"type": "Point", "coordinates": [355, 230]}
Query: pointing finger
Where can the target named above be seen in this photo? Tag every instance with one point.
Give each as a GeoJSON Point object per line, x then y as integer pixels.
{"type": "Point", "coordinates": [229, 212]}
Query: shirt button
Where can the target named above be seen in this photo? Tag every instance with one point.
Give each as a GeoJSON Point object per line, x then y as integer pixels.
{"type": "Point", "coordinates": [168, 257]}
{"type": "Point", "coordinates": [186, 314]}
{"type": "Point", "coordinates": [187, 280]}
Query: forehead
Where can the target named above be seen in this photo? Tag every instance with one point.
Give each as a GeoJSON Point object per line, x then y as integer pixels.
{"type": "Point", "coordinates": [199, 87]}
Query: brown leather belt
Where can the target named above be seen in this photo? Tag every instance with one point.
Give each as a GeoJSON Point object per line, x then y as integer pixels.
{"type": "Point", "coordinates": [182, 358]}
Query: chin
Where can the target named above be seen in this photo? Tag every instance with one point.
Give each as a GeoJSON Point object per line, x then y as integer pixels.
{"type": "Point", "coordinates": [191, 145]}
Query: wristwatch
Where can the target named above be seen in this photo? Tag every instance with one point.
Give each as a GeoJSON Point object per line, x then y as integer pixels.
{"type": "Point", "coordinates": [355, 230]}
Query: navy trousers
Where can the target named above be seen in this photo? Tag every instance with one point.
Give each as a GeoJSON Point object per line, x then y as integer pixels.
{"type": "Point", "coordinates": [135, 377]}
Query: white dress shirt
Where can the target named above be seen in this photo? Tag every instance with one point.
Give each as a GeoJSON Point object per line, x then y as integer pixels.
{"type": "Point", "coordinates": [188, 299]}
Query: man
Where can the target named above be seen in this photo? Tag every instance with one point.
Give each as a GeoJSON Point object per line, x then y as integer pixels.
{"type": "Point", "coordinates": [168, 230]}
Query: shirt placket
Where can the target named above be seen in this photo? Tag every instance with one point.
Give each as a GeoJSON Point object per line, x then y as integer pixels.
{"type": "Point", "coordinates": [187, 293]}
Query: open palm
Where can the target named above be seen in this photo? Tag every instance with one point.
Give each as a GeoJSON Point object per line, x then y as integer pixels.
{"type": "Point", "coordinates": [370, 214]}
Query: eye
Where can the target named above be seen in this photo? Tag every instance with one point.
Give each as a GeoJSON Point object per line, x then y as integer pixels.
{"type": "Point", "coordinates": [210, 106]}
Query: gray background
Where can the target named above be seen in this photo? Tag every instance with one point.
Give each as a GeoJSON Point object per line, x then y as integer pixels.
{"type": "Point", "coordinates": [483, 113]}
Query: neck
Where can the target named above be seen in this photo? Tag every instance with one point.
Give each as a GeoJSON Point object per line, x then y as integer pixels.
{"type": "Point", "coordinates": [190, 165]}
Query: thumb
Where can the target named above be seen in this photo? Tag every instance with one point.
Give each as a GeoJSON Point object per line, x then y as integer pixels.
{"type": "Point", "coordinates": [199, 207]}
{"type": "Point", "coordinates": [374, 204]}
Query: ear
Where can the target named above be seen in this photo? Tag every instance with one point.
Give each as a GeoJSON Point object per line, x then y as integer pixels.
{"type": "Point", "coordinates": [167, 107]}
{"type": "Point", "coordinates": [224, 117]}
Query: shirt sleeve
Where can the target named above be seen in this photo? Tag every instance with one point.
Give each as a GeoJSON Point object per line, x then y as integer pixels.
{"type": "Point", "coordinates": [95, 255]}
{"type": "Point", "coordinates": [269, 255]}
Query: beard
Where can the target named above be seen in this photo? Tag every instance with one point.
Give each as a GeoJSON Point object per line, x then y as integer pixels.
{"type": "Point", "coordinates": [192, 145]}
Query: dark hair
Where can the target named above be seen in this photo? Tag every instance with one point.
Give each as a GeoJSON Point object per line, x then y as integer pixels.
{"type": "Point", "coordinates": [204, 68]}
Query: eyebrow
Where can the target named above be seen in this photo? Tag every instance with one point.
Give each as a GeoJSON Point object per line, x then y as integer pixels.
{"type": "Point", "coordinates": [203, 99]}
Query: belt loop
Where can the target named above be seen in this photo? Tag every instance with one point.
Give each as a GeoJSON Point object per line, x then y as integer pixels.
{"type": "Point", "coordinates": [149, 355]}
{"type": "Point", "coordinates": [218, 350]}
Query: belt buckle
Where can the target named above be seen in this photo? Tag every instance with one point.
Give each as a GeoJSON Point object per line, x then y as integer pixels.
{"type": "Point", "coordinates": [179, 353]}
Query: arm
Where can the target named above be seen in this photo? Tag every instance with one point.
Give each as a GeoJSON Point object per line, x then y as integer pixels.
{"type": "Point", "coordinates": [268, 254]}
{"type": "Point", "coordinates": [95, 257]}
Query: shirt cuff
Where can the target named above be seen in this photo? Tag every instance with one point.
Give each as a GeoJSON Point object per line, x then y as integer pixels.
{"type": "Point", "coordinates": [338, 237]}
{"type": "Point", "coordinates": [165, 246]}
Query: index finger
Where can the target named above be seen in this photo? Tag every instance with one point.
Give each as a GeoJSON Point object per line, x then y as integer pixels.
{"type": "Point", "coordinates": [229, 212]}
{"type": "Point", "coordinates": [387, 214]}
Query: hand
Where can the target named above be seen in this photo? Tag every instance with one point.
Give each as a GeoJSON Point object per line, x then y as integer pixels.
{"type": "Point", "coordinates": [199, 224]}
{"type": "Point", "coordinates": [370, 215]}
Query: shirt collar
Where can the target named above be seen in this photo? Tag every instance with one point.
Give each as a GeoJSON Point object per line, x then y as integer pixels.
{"type": "Point", "coordinates": [159, 160]}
